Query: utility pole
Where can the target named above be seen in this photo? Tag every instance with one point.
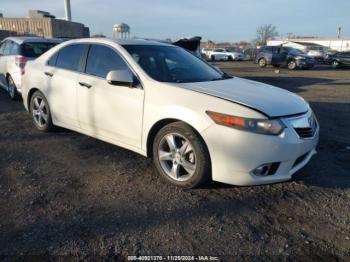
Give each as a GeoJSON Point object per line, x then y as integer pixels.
{"type": "Point", "coordinates": [339, 31]}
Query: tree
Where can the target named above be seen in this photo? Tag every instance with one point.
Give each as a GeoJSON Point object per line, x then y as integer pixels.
{"type": "Point", "coordinates": [264, 33]}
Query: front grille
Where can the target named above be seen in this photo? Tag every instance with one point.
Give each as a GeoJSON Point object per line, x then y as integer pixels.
{"type": "Point", "coordinates": [305, 132]}
{"type": "Point", "coordinates": [307, 128]}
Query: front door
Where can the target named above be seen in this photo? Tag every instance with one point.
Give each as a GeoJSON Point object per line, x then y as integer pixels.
{"type": "Point", "coordinates": [279, 56]}
{"type": "Point", "coordinates": [110, 112]}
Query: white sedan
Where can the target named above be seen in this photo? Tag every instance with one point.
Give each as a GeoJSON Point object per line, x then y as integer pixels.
{"type": "Point", "coordinates": [233, 54]}
{"type": "Point", "coordinates": [218, 54]}
{"type": "Point", "coordinates": [158, 100]}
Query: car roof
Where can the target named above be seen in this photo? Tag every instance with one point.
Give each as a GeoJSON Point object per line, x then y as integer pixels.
{"type": "Point", "coordinates": [31, 39]}
{"type": "Point", "coordinates": [120, 41]}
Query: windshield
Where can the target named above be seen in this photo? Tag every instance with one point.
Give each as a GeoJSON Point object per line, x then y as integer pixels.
{"type": "Point", "coordinates": [294, 51]}
{"type": "Point", "coordinates": [232, 49]}
{"type": "Point", "coordinates": [35, 49]}
{"type": "Point", "coordinates": [172, 64]}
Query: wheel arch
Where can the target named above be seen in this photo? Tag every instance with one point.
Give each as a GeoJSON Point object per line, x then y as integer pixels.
{"type": "Point", "coordinates": [29, 97]}
{"type": "Point", "coordinates": [159, 125]}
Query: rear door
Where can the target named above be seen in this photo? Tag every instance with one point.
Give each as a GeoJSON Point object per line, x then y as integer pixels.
{"type": "Point", "coordinates": [62, 72]}
{"type": "Point", "coordinates": [4, 57]}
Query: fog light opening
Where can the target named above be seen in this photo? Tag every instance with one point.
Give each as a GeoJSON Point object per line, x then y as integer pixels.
{"type": "Point", "coordinates": [266, 169]}
{"type": "Point", "coordinates": [262, 170]}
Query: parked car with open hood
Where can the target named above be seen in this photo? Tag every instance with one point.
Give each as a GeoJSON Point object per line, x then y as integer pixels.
{"type": "Point", "coordinates": [14, 54]}
{"type": "Point", "coordinates": [283, 56]}
{"type": "Point", "coordinates": [196, 122]}
{"type": "Point", "coordinates": [191, 44]}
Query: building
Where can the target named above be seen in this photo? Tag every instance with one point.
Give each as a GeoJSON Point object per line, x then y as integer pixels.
{"type": "Point", "coordinates": [337, 44]}
{"type": "Point", "coordinates": [42, 24]}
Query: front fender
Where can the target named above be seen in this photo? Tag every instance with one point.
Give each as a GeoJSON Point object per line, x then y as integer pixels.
{"type": "Point", "coordinates": [199, 122]}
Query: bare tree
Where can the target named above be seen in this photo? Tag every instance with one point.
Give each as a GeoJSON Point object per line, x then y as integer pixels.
{"type": "Point", "coordinates": [264, 33]}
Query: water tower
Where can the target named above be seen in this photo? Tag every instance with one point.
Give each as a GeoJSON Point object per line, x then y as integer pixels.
{"type": "Point", "coordinates": [121, 31]}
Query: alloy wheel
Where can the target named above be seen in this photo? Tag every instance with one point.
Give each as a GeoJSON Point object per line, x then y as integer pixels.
{"type": "Point", "coordinates": [335, 64]}
{"type": "Point", "coordinates": [177, 157]}
{"type": "Point", "coordinates": [40, 112]}
{"type": "Point", "coordinates": [292, 65]}
{"type": "Point", "coordinates": [262, 62]}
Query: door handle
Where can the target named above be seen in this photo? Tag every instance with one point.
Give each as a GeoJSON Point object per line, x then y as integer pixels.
{"type": "Point", "coordinates": [48, 74]}
{"type": "Point", "coordinates": [85, 84]}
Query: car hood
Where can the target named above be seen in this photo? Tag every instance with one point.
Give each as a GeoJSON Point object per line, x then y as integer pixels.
{"type": "Point", "coordinates": [270, 100]}
{"type": "Point", "coordinates": [301, 55]}
{"type": "Point", "coordinates": [235, 53]}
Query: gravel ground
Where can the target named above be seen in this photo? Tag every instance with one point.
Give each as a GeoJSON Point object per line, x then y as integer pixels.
{"type": "Point", "coordinates": [65, 195]}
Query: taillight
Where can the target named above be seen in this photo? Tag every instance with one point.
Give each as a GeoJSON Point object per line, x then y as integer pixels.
{"type": "Point", "coordinates": [21, 62]}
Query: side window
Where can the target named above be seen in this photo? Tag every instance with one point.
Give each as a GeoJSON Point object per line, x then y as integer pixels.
{"type": "Point", "coordinates": [101, 60]}
{"type": "Point", "coordinates": [7, 48]}
{"type": "Point", "coordinates": [267, 49]}
{"type": "Point", "coordinates": [52, 60]}
{"type": "Point", "coordinates": [2, 45]}
{"type": "Point", "coordinates": [15, 49]}
{"type": "Point", "coordinates": [69, 57]}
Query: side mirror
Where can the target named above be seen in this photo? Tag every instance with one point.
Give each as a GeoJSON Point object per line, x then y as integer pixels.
{"type": "Point", "coordinates": [120, 78]}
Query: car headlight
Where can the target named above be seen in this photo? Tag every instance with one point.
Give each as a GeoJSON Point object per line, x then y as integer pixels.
{"type": "Point", "coordinates": [260, 126]}
{"type": "Point", "coordinates": [300, 57]}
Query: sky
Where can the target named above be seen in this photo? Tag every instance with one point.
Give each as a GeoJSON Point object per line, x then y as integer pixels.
{"type": "Point", "coordinates": [224, 20]}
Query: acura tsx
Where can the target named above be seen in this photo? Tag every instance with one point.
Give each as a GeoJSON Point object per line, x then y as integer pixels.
{"type": "Point", "coordinates": [196, 122]}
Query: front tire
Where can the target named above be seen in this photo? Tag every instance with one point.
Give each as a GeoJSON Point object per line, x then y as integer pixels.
{"type": "Point", "coordinates": [212, 58]}
{"type": "Point", "coordinates": [262, 62]}
{"type": "Point", "coordinates": [292, 65]}
{"type": "Point", "coordinates": [181, 156]}
{"type": "Point", "coordinates": [12, 89]}
{"type": "Point", "coordinates": [40, 110]}
{"type": "Point", "coordinates": [335, 64]}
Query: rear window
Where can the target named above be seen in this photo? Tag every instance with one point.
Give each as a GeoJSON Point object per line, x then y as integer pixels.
{"type": "Point", "coordinates": [36, 49]}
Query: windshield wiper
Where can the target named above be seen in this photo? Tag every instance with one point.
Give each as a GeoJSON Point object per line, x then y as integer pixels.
{"type": "Point", "coordinates": [226, 76]}
{"type": "Point", "coordinates": [223, 77]}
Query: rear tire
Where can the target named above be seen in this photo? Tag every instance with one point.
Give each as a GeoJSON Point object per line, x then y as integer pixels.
{"type": "Point", "coordinates": [40, 110]}
{"type": "Point", "coordinates": [181, 156]}
{"type": "Point", "coordinates": [12, 89]}
{"type": "Point", "coordinates": [262, 62]}
{"type": "Point", "coordinates": [212, 58]}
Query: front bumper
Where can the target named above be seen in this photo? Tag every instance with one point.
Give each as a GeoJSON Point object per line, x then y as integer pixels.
{"type": "Point", "coordinates": [221, 57]}
{"type": "Point", "coordinates": [305, 64]}
{"type": "Point", "coordinates": [235, 154]}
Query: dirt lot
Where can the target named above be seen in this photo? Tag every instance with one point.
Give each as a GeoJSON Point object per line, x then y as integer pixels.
{"type": "Point", "coordinates": [67, 195]}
